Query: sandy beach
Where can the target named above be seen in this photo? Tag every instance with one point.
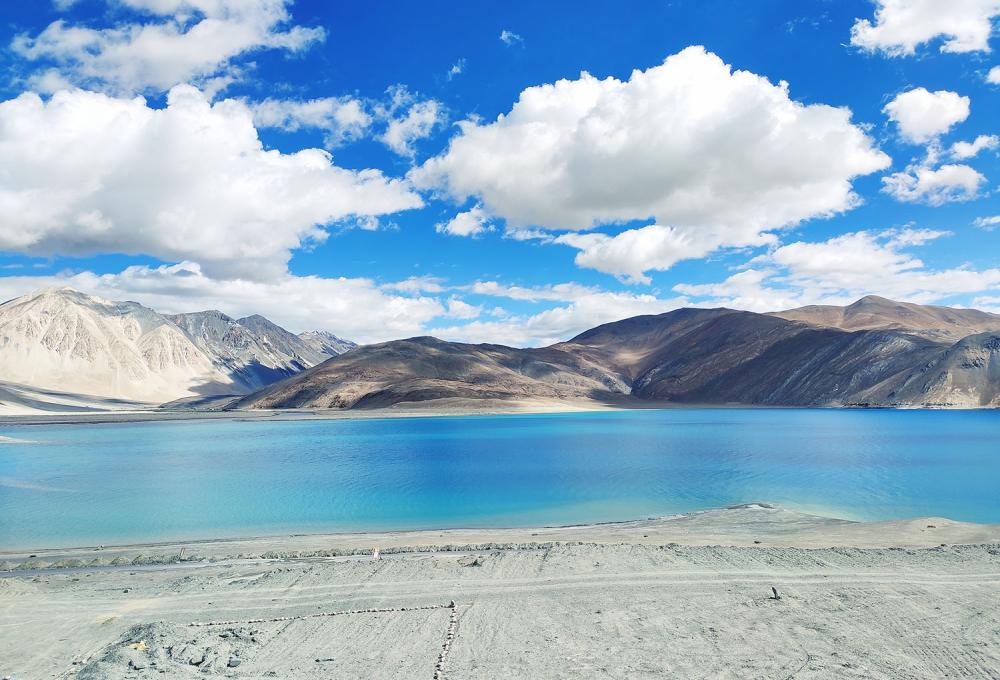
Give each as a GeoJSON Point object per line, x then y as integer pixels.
{"type": "Point", "coordinates": [686, 596]}
{"type": "Point", "coordinates": [431, 408]}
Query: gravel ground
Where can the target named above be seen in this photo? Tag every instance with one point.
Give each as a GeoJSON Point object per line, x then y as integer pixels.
{"type": "Point", "coordinates": [637, 607]}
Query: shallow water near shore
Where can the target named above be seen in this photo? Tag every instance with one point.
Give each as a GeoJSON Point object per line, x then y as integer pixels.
{"type": "Point", "coordinates": [156, 481]}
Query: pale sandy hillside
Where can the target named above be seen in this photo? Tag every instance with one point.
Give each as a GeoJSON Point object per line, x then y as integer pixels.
{"type": "Point", "coordinates": [61, 339]}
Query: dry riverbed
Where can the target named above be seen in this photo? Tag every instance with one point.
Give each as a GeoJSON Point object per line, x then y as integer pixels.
{"type": "Point", "coordinates": [686, 597]}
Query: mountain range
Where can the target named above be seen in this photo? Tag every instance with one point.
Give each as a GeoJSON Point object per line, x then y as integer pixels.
{"type": "Point", "coordinates": [61, 349]}
{"type": "Point", "coordinates": [875, 352]}
{"type": "Point", "coordinates": [59, 344]}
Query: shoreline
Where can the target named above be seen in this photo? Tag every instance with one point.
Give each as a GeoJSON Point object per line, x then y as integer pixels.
{"type": "Point", "coordinates": [412, 410]}
{"type": "Point", "coordinates": [408, 411]}
{"type": "Point", "coordinates": [745, 525]}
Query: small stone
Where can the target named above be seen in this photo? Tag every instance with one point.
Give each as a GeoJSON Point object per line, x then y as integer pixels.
{"type": "Point", "coordinates": [234, 662]}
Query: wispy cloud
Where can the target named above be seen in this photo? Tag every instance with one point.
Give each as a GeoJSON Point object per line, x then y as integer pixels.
{"type": "Point", "coordinates": [510, 38]}
{"type": "Point", "coordinates": [457, 69]}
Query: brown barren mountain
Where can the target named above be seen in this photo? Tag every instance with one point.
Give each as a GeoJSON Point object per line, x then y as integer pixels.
{"type": "Point", "coordinates": [877, 313]}
{"type": "Point", "coordinates": [890, 354]}
{"type": "Point", "coordinates": [425, 368]}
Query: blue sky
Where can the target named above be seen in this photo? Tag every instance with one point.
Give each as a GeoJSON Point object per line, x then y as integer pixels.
{"type": "Point", "coordinates": [307, 160]}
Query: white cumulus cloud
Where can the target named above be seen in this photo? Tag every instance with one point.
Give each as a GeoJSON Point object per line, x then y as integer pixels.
{"type": "Point", "coordinates": [922, 115]}
{"type": "Point", "coordinates": [342, 119]}
{"type": "Point", "coordinates": [963, 150]}
{"type": "Point", "coordinates": [993, 76]}
{"type": "Point", "coordinates": [469, 223]}
{"type": "Point", "coordinates": [460, 309]}
{"type": "Point", "coordinates": [86, 173]}
{"type": "Point", "coordinates": [749, 289]}
{"type": "Point", "coordinates": [398, 120]}
{"type": "Point", "coordinates": [843, 269]}
{"type": "Point", "coordinates": [178, 41]}
{"type": "Point", "coordinates": [934, 186]}
{"type": "Point", "coordinates": [901, 26]}
{"type": "Point", "coordinates": [633, 252]}
{"type": "Point", "coordinates": [720, 156]}
{"type": "Point", "coordinates": [408, 119]}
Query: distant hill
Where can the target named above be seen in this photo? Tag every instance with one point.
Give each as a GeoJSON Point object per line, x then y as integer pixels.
{"type": "Point", "coordinates": [326, 343]}
{"type": "Point", "coordinates": [63, 350]}
{"type": "Point", "coordinates": [423, 369]}
{"type": "Point", "coordinates": [688, 356]}
{"type": "Point", "coordinates": [252, 351]}
{"type": "Point", "coordinates": [877, 313]}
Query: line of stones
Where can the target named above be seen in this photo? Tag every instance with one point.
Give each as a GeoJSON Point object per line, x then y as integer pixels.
{"type": "Point", "coordinates": [448, 638]}
{"type": "Point", "coordinates": [201, 624]}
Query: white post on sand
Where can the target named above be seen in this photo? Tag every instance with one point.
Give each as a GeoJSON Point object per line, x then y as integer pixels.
{"type": "Point", "coordinates": [375, 555]}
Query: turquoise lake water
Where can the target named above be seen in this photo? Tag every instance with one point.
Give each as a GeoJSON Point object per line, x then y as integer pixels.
{"type": "Point", "coordinates": [92, 484]}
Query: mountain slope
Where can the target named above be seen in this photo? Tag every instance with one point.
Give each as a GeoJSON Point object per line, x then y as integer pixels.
{"type": "Point", "coordinates": [286, 342]}
{"type": "Point", "coordinates": [819, 367]}
{"type": "Point", "coordinates": [667, 355]}
{"type": "Point", "coordinates": [966, 375]}
{"type": "Point", "coordinates": [252, 351]}
{"type": "Point", "coordinates": [689, 356]}
{"type": "Point", "coordinates": [60, 339]}
{"type": "Point", "coordinates": [721, 356]}
{"type": "Point", "coordinates": [326, 343]}
{"type": "Point", "coordinates": [873, 312]}
{"type": "Point", "coordinates": [422, 369]}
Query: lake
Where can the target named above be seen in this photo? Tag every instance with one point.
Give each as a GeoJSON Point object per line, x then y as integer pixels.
{"type": "Point", "coordinates": [90, 484]}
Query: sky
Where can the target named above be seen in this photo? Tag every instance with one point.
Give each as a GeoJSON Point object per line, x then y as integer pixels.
{"type": "Point", "coordinates": [509, 172]}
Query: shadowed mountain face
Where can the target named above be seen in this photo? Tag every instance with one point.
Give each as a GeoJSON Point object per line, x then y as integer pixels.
{"type": "Point", "coordinates": [253, 356]}
{"type": "Point", "coordinates": [285, 342]}
{"type": "Point", "coordinates": [966, 375]}
{"type": "Point", "coordinates": [873, 312]}
{"type": "Point", "coordinates": [724, 356]}
{"type": "Point", "coordinates": [819, 367]}
{"type": "Point", "coordinates": [689, 356]}
{"type": "Point", "coordinates": [253, 351]}
{"type": "Point", "coordinates": [666, 356]}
